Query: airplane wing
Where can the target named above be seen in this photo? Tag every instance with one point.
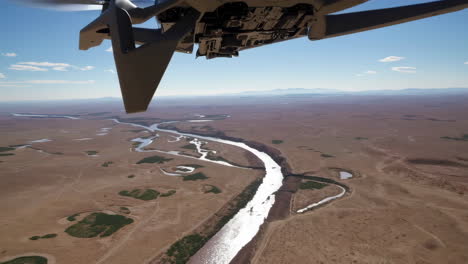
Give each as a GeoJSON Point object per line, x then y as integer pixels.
{"type": "Point", "coordinates": [328, 26]}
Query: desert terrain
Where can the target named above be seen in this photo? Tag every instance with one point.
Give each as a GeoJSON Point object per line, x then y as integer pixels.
{"type": "Point", "coordinates": [82, 170]}
{"type": "Point", "coordinates": [405, 202]}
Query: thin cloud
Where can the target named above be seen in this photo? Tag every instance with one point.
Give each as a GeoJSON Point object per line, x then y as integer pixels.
{"type": "Point", "coordinates": [87, 68]}
{"type": "Point", "coordinates": [392, 59]}
{"type": "Point", "coordinates": [2, 76]}
{"type": "Point", "coordinates": [109, 49]}
{"type": "Point", "coordinates": [9, 54]}
{"type": "Point", "coordinates": [404, 69]}
{"type": "Point", "coordinates": [59, 82]}
{"type": "Point", "coordinates": [110, 70]}
{"type": "Point", "coordinates": [47, 82]}
{"type": "Point", "coordinates": [14, 85]}
{"type": "Point", "coordinates": [369, 72]}
{"type": "Point", "coordinates": [17, 67]}
{"type": "Point", "coordinates": [466, 62]}
{"type": "Point", "coordinates": [40, 66]}
{"type": "Point", "coordinates": [45, 66]}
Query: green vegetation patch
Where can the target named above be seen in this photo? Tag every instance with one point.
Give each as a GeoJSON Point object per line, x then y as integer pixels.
{"type": "Point", "coordinates": [324, 180]}
{"type": "Point", "coordinates": [27, 260]}
{"type": "Point", "coordinates": [441, 120]}
{"type": "Point", "coordinates": [208, 188]}
{"type": "Point", "coordinates": [131, 176]}
{"type": "Point", "coordinates": [196, 166]}
{"type": "Point", "coordinates": [189, 146]}
{"type": "Point", "coordinates": [145, 195]}
{"type": "Point", "coordinates": [437, 162]}
{"type": "Point", "coordinates": [206, 127]}
{"type": "Point", "coordinates": [5, 149]}
{"type": "Point", "coordinates": [239, 202]}
{"type": "Point", "coordinates": [186, 247]}
{"type": "Point", "coordinates": [124, 210]}
{"type": "Point", "coordinates": [16, 146]}
{"type": "Point", "coordinates": [323, 155]}
{"type": "Point", "coordinates": [49, 236]}
{"type": "Point", "coordinates": [91, 152]}
{"type": "Point", "coordinates": [107, 163]}
{"type": "Point", "coordinates": [462, 138]}
{"type": "Point", "coordinates": [361, 138]}
{"type": "Point", "coordinates": [277, 141]}
{"type": "Point", "coordinates": [168, 193]}
{"type": "Point", "coordinates": [154, 159]}
{"type": "Point", "coordinates": [6, 154]}
{"type": "Point", "coordinates": [72, 218]}
{"type": "Point", "coordinates": [184, 169]}
{"type": "Point", "coordinates": [211, 156]}
{"type": "Point", "coordinates": [310, 185]}
{"type": "Point", "coordinates": [98, 224]}
{"type": "Point", "coordinates": [195, 177]}
{"type": "Point", "coordinates": [43, 237]}
{"type": "Point", "coordinates": [216, 116]}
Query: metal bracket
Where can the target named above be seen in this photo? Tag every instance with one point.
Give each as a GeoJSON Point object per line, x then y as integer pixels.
{"type": "Point", "coordinates": [92, 35]}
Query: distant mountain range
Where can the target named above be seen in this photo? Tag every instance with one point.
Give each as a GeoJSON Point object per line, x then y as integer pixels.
{"type": "Point", "coordinates": [319, 91]}
{"type": "Point", "coordinates": [278, 92]}
{"type": "Point", "coordinates": [292, 91]}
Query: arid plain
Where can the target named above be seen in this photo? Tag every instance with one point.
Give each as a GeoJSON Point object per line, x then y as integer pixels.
{"type": "Point", "coordinates": [406, 202]}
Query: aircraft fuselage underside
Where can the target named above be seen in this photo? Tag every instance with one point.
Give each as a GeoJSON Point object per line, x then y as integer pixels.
{"type": "Point", "coordinates": [223, 28]}
{"type": "Point", "coordinates": [236, 26]}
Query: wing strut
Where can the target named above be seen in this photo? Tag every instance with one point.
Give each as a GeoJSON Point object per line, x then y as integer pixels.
{"type": "Point", "coordinates": [140, 69]}
{"type": "Point", "coordinates": [328, 26]}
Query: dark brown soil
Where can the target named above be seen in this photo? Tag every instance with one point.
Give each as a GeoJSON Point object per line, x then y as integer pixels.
{"type": "Point", "coordinates": [437, 162]}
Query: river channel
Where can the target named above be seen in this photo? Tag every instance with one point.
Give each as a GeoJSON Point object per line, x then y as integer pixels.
{"type": "Point", "coordinates": [243, 227]}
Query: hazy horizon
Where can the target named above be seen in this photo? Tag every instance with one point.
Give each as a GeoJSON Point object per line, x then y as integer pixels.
{"type": "Point", "coordinates": [277, 92]}
{"type": "Point", "coordinates": [396, 57]}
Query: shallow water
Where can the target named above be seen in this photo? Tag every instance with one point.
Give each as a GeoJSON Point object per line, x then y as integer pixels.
{"type": "Point", "coordinates": [344, 175]}
{"type": "Point", "coordinates": [234, 235]}
{"type": "Point", "coordinates": [40, 140]}
{"type": "Point", "coordinates": [49, 116]}
{"type": "Point", "coordinates": [310, 206]}
{"type": "Point", "coordinates": [189, 169]}
{"type": "Point", "coordinates": [144, 142]}
{"type": "Point", "coordinates": [199, 120]}
{"type": "Point", "coordinates": [225, 245]}
{"type": "Point", "coordinates": [169, 173]}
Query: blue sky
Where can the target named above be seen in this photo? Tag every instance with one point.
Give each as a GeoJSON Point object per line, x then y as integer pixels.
{"type": "Point", "coordinates": [40, 59]}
